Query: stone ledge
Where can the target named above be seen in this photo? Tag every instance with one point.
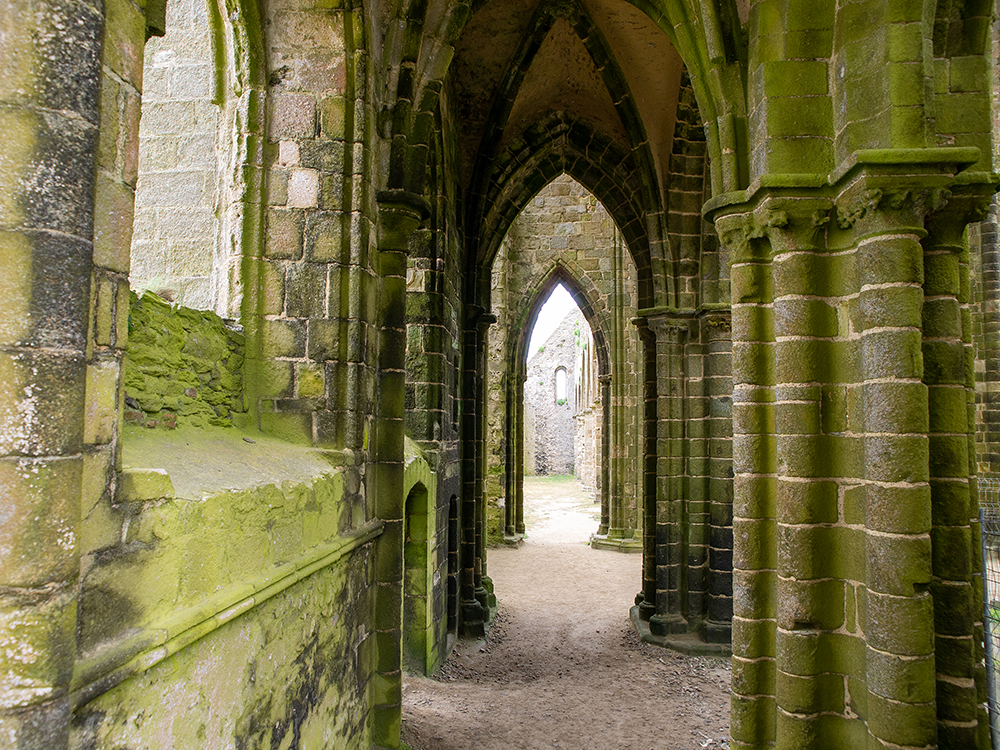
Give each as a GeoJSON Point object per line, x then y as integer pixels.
{"type": "Point", "coordinates": [139, 485]}
{"type": "Point", "coordinates": [629, 546]}
{"type": "Point", "coordinates": [685, 643]}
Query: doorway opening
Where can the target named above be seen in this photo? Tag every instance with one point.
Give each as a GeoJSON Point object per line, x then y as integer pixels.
{"type": "Point", "coordinates": [416, 618]}
{"type": "Point", "coordinates": [550, 406]}
{"type": "Point", "coordinates": [564, 380]}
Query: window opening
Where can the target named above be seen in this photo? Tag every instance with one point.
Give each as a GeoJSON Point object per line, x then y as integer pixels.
{"type": "Point", "coordinates": [176, 236]}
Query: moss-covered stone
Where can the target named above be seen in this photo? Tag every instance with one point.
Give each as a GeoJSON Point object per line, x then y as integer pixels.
{"type": "Point", "coordinates": [181, 362]}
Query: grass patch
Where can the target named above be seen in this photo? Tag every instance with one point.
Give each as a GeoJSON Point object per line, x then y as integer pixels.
{"type": "Point", "coordinates": [550, 479]}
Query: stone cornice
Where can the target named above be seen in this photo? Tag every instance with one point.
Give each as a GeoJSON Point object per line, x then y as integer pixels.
{"type": "Point", "coordinates": [889, 170]}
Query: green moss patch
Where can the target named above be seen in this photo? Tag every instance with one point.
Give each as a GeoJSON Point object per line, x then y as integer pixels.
{"type": "Point", "coordinates": [182, 366]}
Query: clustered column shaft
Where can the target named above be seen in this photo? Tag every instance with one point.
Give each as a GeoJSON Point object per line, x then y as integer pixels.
{"type": "Point", "coordinates": [49, 115]}
{"type": "Point", "coordinates": [400, 215]}
{"type": "Point", "coordinates": [857, 614]}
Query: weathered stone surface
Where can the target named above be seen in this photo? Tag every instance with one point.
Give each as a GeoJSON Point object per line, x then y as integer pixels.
{"type": "Point", "coordinates": [343, 180]}
{"type": "Point", "coordinates": [140, 485]}
{"type": "Point", "coordinates": [184, 363]}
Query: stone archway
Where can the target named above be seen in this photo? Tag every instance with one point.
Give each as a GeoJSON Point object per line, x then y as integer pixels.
{"type": "Point", "coordinates": [416, 636]}
{"type": "Point", "coordinates": [528, 267]}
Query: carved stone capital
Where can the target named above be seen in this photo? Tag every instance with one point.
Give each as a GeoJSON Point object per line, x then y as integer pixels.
{"type": "Point", "coordinates": [400, 214]}
{"type": "Point", "coordinates": [773, 224]}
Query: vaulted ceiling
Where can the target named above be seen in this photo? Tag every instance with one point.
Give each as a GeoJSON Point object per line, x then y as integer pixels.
{"type": "Point", "coordinates": [604, 62]}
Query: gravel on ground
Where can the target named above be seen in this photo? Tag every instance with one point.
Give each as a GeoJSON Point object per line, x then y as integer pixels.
{"type": "Point", "coordinates": [562, 666]}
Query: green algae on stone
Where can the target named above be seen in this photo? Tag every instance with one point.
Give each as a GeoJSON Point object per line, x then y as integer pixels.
{"type": "Point", "coordinates": [182, 366]}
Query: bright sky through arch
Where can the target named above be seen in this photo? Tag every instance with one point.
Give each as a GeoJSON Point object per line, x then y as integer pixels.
{"type": "Point", "coordinates": [559, 303]}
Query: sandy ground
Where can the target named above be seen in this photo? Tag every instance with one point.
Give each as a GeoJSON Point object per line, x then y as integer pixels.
{"type": "Point", "coordinates": [562, 666]}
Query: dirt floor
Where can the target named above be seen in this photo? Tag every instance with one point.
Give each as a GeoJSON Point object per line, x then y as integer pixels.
{"type": "Point", "coordinates": [562, 666]}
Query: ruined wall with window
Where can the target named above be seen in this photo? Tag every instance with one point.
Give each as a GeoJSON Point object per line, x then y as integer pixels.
{"type": "Point", "coordinates": [182, 152]}
{"type": "Point", "coordinates": [552, 367]}
{"type": "Point", "coordinates": [229, 532]}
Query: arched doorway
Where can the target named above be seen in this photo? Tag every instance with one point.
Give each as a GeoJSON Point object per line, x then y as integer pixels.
{"type": "Point", "coordinates": [417, 617]}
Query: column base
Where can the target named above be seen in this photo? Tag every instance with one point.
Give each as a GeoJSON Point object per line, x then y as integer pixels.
{"type": "Point", "coordinates": [685, 643]}
{"type": "Point", "coordinates": [665, 625]}
{"type": "Point", "coordinates": [486, 596]}
{"type": "Point", "coordinates": [718, 632]}
{"type": "Point", "coordinates": [646, 611]}
{"type": "Point", "coordinates": [474, 619]}
{"type": "Point", "coordinates": [512, 540]}
{"type": "Point", "coordinates": [606, 541]}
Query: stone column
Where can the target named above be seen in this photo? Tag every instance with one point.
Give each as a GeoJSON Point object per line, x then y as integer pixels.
{"type": "Point", "coordinates": [484, 586]}
{"type": "Point", "coordinates": [856, 620]}
{"type": "Point", "coordinates": [605, 381]}
{"type": "Point", "coordinates": [471, 593]}
{"type": "Point", "coordinates": [671, 515]}
{"type": "Point", "coordinates": [717, 373]}
{"type": "Point", "coordinates": [514, 451]}
{"type": "Point", "coordinates": [50, 96]}
{"type": "Point", "coordinates": [646, 600]}
{"type": "Point", "coordinates": [754, 466]}
{"type": "Point", "coordinates": [400, 214]}
{"type": "Point", "coordinates": [949, 374]}
{"type": "Point", "coordinates": [518, 468]}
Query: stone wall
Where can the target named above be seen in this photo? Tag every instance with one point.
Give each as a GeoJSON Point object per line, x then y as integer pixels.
{"type": "Point", "coordinates": [177, 233]}
{"type": "Point", "coordinates": [984, 247]}
{"type": "Point", "coordinates": [555, 435]}
{"type": "Point", "coordinates": [182, 366]}
{"type": "Point", "coordinates": [984, 264]}
{"type": "Point", "coordinates": [223, 567]}
{"type": "Point", "coordinates": [816, 442]}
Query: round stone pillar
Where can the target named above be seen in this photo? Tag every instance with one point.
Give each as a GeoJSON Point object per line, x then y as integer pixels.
{"type": "Point", "coordinates": [49, 116]}
{"type": "Point", "coordinates": [856, 610]}
{"type": "Point", "coordinates": [400, 214]}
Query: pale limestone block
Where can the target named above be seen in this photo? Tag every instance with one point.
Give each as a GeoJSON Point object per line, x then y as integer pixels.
{"type": "Point", "coordinates": [288, 153]}
{"type": "Point", "coordinates": [170, 189]}
{"type": "Point", "coordinates": [191, 81]}
{"type": "Point", "coordinates": [154, 84]}
{"type": "Point", "coordinates": [190, 259]}
{"type": "Point", "coordinates": [158, 153]}
{"type": "Point", "coordinates": [303, 188]}
{"type": "Point", "coordinates": [167, 118]}
{"type": "Point", "coordinates": [294, 117]}
{"type": "Point", "coordinates": [197, 151]}
{"type": "Point", "coordinates": [186, 224]}
{"type": "Point", "coordinates": [196, 293]}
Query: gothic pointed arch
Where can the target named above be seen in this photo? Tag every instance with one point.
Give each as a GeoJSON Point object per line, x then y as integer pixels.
{"type": "Point", "coordinates": [585, 294]}
{"type": "Point", "coordinates": [422, 42]}
{"type": "Point", "coordinates": [565, 145]}
{"type": "Point", "coordinates": [600, 52]}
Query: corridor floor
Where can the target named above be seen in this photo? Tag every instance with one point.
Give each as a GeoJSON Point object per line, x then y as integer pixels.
{"type": "Point", "coordinates": [562, 666]}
